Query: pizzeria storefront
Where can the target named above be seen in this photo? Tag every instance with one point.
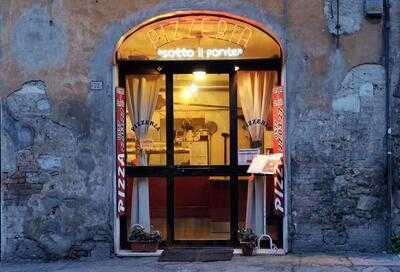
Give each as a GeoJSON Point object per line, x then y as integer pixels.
{"type": "Point", "coordinates": [197, 96]}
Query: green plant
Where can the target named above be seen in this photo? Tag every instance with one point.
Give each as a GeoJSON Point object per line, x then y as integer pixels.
{"type": "Point", "coordinates": [139, 234]}
{"type": "Point", "coordinates": [246, 235]}
{"type": "Point", "coordinates": [395, 243]}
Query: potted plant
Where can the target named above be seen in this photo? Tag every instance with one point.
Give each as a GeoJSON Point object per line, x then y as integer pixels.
{"type": "Point", "coordinates": [248, 241]}
{"type": "Point", "coordinates": [142, 241]}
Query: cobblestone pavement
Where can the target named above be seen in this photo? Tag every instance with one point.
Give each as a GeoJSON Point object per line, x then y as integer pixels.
{"type": "Point", "coordinates": [292, 263]}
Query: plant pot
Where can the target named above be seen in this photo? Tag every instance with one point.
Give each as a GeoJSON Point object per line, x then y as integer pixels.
{"type": "Point", "coordinates": [247, 248]}
{"type": "Point", "coordinates": [144, 247]}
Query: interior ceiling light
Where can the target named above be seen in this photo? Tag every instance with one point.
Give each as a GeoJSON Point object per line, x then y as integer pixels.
{"type": "Point", "coordinates": [188, 92]}
{"type": "Point", "coordinates": [199, 75]}
{"type": "Point", "coordinates": [237, 68]}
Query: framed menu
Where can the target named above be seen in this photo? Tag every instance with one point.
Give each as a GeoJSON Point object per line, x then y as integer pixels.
{"type": "Point", "coordinates": [264, 164]}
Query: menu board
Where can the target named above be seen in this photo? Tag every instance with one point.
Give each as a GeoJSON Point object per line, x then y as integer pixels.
{"type": "Point", "coordinates": [264, 164]}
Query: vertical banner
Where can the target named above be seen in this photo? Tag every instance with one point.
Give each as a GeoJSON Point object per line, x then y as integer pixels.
{"type": "Point", "coordinates": [278, 117]}
{"type": "Point", "coordinates": [279, 209]}
{"type": "Point", "coordinates": [120, 149]}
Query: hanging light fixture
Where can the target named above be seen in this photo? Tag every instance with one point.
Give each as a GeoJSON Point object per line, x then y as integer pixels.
{"type": "Point", "coordinates": [199, 75]}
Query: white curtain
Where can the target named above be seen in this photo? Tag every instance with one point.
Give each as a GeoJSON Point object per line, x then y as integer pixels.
{"type": "Point", "coordinates": [142, 95]}
{"type": "Point", "coordinates": [255, 94]}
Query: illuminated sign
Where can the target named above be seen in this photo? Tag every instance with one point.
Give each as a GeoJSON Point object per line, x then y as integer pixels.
{"type": "Point", "coordinates": [203, 37]}
{"type": "Point", "coordinates": [195, 27]}
{"type": "Point", "coordinates": [180, 53]}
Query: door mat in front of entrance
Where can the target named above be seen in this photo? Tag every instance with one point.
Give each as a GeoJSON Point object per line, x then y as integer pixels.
{"type": "Point", "coordinates": [196, 254]}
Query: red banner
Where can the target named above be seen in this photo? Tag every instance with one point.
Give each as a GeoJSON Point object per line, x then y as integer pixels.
{"type": "Point", "coordinates": [279, 190]}
{"type": "Point", "coordinates": [278, 119]}
{"type": "Point", "coordinates": [278, 145]}
{"type": "Point", "coordinates": [120, 149]}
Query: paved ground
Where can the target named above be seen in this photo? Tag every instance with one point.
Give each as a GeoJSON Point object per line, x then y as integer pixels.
{"type": "Point", "coordinates": [292, 263]}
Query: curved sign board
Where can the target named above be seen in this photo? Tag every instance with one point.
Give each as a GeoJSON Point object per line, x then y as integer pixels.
{"type": "Point", "coordinates": [195, 37]}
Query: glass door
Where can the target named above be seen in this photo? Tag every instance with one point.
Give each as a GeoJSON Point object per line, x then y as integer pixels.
{"type": "Point", "coordinates": [201, 126]}
{"type": "Point", "coordinates": [183, 133]}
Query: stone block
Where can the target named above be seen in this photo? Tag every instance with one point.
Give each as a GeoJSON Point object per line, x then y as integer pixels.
{"type": "Point", "coordinates": [29, 249]}
{"type": "Point", "coordinates": [368, 203]}
{"type": "Point", "coordinates": [350, 16]}
{"type": "Point", "coordinates": [373, 8]}
{"type": "Point", "coordinates": [8, 154]}
{"type": "Point", "coordinates": [369, 237]}
{"type": "Point", "coordinates": [349, 103]}
{"type": "Point", "coordinates": [49, 163]}
{"type": "Point", "coordinates": [28, 102]}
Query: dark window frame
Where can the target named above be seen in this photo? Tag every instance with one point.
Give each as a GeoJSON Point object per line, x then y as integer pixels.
{"type": "Point", "coordinates": [170, 170]}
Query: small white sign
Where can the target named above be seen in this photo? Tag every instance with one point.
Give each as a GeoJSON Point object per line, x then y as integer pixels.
{"type": "Point", "coordinates": [199, 52]}
{"type": "Point", "coordinates": [96, 85]}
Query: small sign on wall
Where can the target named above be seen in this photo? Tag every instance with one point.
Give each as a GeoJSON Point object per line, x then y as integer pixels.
{"type": "Point", "coordinates": [96, 85]}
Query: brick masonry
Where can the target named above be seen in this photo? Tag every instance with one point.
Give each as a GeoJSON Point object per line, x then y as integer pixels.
{"type": "Point", "coordinates": [56, 136]}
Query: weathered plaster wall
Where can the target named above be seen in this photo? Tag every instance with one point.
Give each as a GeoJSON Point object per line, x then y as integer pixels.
{"type": "Point", "coordinates": [57, 149]}
{"type": "Point", "coordinates": [68, 212]}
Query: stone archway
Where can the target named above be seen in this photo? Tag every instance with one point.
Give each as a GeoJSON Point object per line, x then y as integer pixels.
{"type": "Point", "coordinates": [260, 25]}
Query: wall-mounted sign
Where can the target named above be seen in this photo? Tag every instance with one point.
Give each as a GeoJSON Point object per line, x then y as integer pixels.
{"type": "Point", "coordinates": [199, 52]}
{"type": "Point", "coordinates": [120, 150]}
{"type": "Point", "coordinates": [198, 37]}
{"type": "Point", "coordinates": [192, 27]}
{"type": "Point", "coordinates": [96, 85]}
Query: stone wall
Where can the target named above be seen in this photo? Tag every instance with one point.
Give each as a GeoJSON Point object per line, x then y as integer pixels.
{"type": "Point", "coordinates": [51, 206]}
{"type": "Point", "coordinates": [395, 110]}
{"type": "Point", "coordinates": [336, 124]}
{"type": "Point", "coordinates": [57, 149]}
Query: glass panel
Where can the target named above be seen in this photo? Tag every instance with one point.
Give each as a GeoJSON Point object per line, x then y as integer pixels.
{"type": "Point", "coordinates": [242, 201]}
{"type": "Point", "coordinates": [202, 208]}
{"type": "Point", "coordinates": [201, 119]}
{"type": "Point", "coordinates": [145, 99]}
{"type": "Point", "coordinates": [273, 223]}
{"type": "Point", "coordinates": [157, 203]}
{"type": "Point", "coordinates": [254, 112]}
{"type": "Point", "coordinates": [254, 101]}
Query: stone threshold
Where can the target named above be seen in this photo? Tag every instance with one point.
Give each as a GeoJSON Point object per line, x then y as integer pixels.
{"type": "Point", "coordinates": [236, 251]}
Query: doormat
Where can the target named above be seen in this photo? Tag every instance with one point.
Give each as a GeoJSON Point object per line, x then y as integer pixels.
{"type": "Point", "coordinates": [196, 254]}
